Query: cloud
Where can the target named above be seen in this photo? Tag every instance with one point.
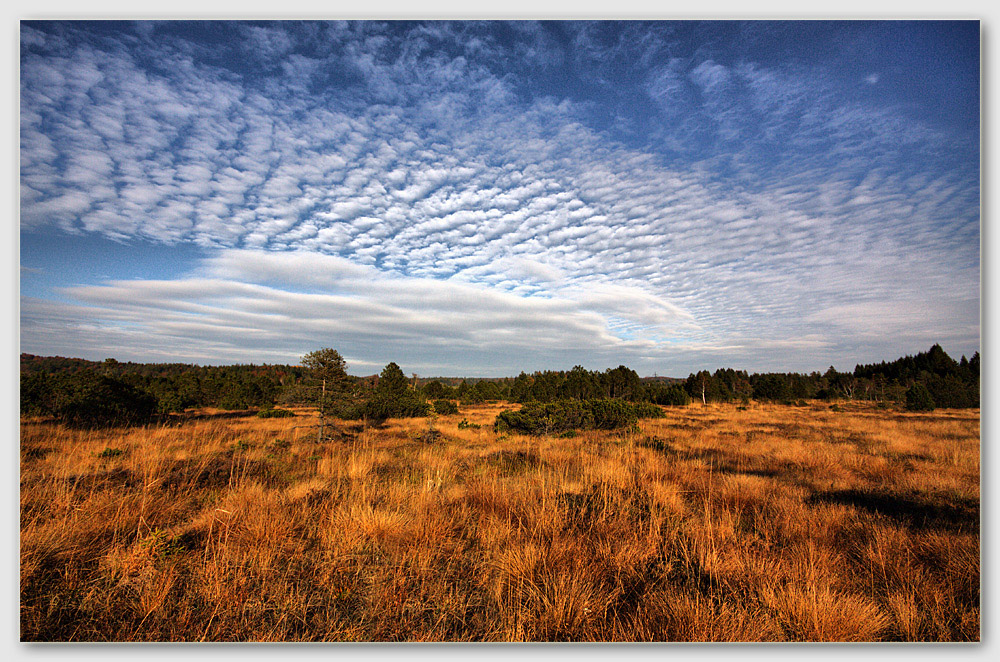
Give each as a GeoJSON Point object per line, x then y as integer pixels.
{"type": "Point", "coordinates": [313, 298]}
{"type": "Point", "coordinates": [437, 166]}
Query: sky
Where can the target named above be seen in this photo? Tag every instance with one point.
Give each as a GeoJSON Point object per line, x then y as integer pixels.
{"type": "Point", "coordinates": [482, 198]}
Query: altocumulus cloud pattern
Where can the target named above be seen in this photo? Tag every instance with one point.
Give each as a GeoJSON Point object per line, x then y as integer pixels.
{"type": "Point", "coordinates": [481, 198]}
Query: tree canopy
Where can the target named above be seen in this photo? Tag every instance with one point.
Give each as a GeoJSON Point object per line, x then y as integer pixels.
{"type": "Point", "coordinates": [327, 364]}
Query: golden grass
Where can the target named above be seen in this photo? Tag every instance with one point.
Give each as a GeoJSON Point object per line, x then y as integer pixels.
{"type": "Point", "coordinates": [713, 524]}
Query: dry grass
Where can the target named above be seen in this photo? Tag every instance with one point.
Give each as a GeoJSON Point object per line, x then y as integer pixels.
{"type": "Point", "coordinates": [713, 524]}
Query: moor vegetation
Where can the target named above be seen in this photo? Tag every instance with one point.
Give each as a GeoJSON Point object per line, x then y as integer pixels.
{"type": "Point", "coordinates": [570, 506]}
{"type": "Point", "coordinates": [69, 388]}
{"type": "Point", "coordinates": [711, 523]}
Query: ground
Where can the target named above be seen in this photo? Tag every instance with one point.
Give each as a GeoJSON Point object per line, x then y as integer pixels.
{"type": "Point", "coordinates": [715, 523]}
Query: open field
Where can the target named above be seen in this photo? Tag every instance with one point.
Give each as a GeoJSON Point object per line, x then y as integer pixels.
{"type": "Point", "coordinates": [772, 523]}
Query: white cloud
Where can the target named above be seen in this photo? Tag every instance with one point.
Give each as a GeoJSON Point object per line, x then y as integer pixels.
{"type": "Point", "coordinates": [432, 172]}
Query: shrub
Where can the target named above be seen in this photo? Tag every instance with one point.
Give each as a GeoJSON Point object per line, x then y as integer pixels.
{"type": "Point", "coordinates": [275, 413]}
{"type": "Point", "coordinates": [464, 424]}
{"type": "Point", "coordinates": [612, 414]}
{"type": "Point", "coordinates": [647, 410]}
{"type": "Point", "coordinates": [918, 398]}
{"type": "Point", "coordinates": [546, 418]}
{"type": "Point", "coordinates": [564, 415]}
{"type": "Point", "coordinates": [382, 407]}
{"type": "Point", "coordinates": [445, 407]}
{"type": "Point", "coordinates": [111, 452]}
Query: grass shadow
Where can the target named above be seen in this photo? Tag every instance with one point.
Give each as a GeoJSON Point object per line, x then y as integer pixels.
{"type": "Point", "coordinates": [917, 511]}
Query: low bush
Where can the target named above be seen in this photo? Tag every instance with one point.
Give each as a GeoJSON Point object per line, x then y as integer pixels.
{"type": "Point", "coordinates": [111, 452]}
{"type": "Point", "coordinates": [445, 407]}
{"type": "Point", "coordinates": [563, 415]}
{"type": "Point", "coordinates": [379, 408]}
{"type": "Point", "coordinates": [275, 413]}
{"type": "Point", "coordinates": [613, 414]}
{"type": "Point", "coordinates": [647, 410]}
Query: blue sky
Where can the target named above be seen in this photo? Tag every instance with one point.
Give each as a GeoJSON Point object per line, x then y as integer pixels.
{"type": "Point", "coordinates": [478, 198]}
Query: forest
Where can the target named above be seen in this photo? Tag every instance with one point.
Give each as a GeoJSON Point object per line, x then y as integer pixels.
{"type": "Point", "coordinates": [92, 392]}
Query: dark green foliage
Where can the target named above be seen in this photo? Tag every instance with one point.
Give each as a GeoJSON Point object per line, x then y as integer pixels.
{"type": "Point", "coordinates": [546, 418]}
{"type": "Point", "coordinates": [37, 394]}
{"type": "Point", "coordinates": [918, 398]}
{"type": "Point", "coordinates": [327, 364]}
{"type": "Point", "coordinates": [562, 415]}
{"type": "Point", "coordinates": [521, 389]}
{"type": "Point", "coordinates": [381, 407]}
{"type": "Point", "coordinates": [435, 390]}
{"type": "Point", "coordinates": [647, 410]}
{"type": "Point", "coordinates": [771, 387]}
{"type": "Point", "coordinates": [244, 394]}
{"type": "Point", "coordinates": [49, 385]}
{"type": "Point", "coordinates": [669, 395]}
{"type": "Point", "coordinates": [950, 383]}
{"type": "Point", "coordinates": [622, 382]}
{"type": "Point", "coordinates": [704, 386]}
{"type": "Point", "coordinates": [445, 407]}
{"type": "Point", "coordinates": [90, 400]}
{"type": "Point", "coordinates": [176, 386]}
{"type": "Point", "coordinates": [392, 382]}
{"type": "Point", "coordinates": [275, 413]}
{"type": "Point", "coordinates": [111, 452]}
{"type": "Point", "coordinates": [580, 384]}
{"type": "Point", "coordinates": [464, 424]}
{"type": "Point", "coordinates": [483, 390]}
{"type": "Point", "coordinates": [391, 398]}
{"type": "Point", "coordinates": [950, 392]}
{"type": "Point", "coordinates": [612, 414]}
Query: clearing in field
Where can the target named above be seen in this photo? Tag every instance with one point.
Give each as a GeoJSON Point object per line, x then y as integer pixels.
{"type": "Point", "coordinates": [715, 523]}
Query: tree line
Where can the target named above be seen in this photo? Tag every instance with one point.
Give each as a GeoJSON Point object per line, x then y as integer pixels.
{"type": "Point", "coordinates": [111, 390]}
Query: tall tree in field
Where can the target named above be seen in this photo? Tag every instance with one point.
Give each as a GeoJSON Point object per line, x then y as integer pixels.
{"type": "Point", "coordinates": [327, 364]}
{"type": "Point", "coordinates": [392, 381]}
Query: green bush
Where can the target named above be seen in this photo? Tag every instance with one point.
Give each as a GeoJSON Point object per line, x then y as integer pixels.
{"type": "Point", "coordinates": [546, 418]}
{"type": "Point", "coordinates": [445, 407]}
{"type": "Point", "coordinates": [647, 410]}
{"type": "Point", "coordinates": [612, 414]}
{"type": "Point", "coordinates": [563, 415]}
{"type": "Point", "coordinates": [379, 408]}
{"type": "Point", "coordinates": [275, 413]}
